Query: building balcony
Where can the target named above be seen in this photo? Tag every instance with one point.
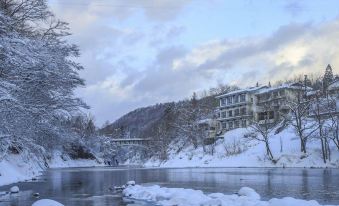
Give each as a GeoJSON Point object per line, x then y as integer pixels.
{"type": "Point", "coordinates": [238, 104]}
{"type": "Point", "coordinates": [266, 121]}
{"type": "Point", "coordinates": [241, 116]}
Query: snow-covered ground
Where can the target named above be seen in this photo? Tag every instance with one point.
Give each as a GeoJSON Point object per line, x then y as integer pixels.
{"type": "Point", "coordinates": [15, 168]}
{"type": "Point", "coordinates": [188, 197]}
{"type": "Point", "coordinates": [236, 151]}
{"type": "Point", "coordinates": [66, 161]}
{"type": "Point", "coordinates": [47, 202]}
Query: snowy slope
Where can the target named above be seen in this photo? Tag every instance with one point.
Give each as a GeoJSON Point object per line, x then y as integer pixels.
{"type": "Point", "coordinates": [284, 145]}
{"type": "Point", "coordinates": [15, 168]}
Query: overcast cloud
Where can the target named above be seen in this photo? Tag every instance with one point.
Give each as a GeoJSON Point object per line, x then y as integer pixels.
{"type": "Point", "coordinates": [142, 52]}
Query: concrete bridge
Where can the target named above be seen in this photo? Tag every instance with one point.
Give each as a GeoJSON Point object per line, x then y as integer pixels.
{"type": "Point", "coordinates": [131, 141]}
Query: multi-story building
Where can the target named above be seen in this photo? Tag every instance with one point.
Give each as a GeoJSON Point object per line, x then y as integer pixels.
{"type": "Point", "coordinates": [240, 108]}
{"type": "Point", "coordinates": [237, 108]}
{"type": "Point", "coordinates": [273, 102]}
{"type": "Point", "coordinates": [333, 88]}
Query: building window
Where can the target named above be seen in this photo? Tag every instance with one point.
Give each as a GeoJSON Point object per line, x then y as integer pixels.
{"type": "Point", "coordinates": [271, 115]}
{"type": "Point", "coordinates": [223, 114]}
{"type": "Point", "coordinates": [229, 100]}
{"type": "Point", "coordinates": [230, 113]}
{"type": "Point", "coordinates": [264, 115]}
{"type": "Point", "coordinates": [230, 125]}
{"type": "Point", "coordinates": [222, 102]}
{"type": "Point", "coordinates": [243, 123]}
{"type": "Point", "coordinates": [236, 112]}
{"type": "Point", "coordinates": [236, 124]}
{"type": "Point", "coordinates": [243, 111]}
{"type": "Point", "coordinates": [236, 98]}
{"type": "Point", "coordinates": [282, 92]}
{"type": "Point", "coordinates": [224, 125]}
{"type": "Point", "coordinates": [242, 98]}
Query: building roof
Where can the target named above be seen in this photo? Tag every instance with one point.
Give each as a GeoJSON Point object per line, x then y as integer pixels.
{"type": "Point", "coordinates": [285, 86]}
{"type": "Point", "coordinates": [247, 90]}
{"type": "Point", "coordinates": [334, 85]}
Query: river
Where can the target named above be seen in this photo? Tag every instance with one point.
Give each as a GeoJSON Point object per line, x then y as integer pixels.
{"type": "Point", "coordinates": [91, 186]}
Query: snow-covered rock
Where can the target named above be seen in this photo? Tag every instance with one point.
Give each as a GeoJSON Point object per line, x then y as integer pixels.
{"type": "Point", "coordinates": [47, 202]}
{"type": "Point", "coordinates": [14, 189]}
{"type": "Point", "coordinates": [249, 192]}
{"type": "Point", "coordinates": [189, 197]}
{"type": "Point", "coordinates": [130, 183]}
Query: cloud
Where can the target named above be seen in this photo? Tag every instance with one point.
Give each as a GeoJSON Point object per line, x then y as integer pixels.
{"type": "Point", "coordinates": [134, 56]}
{"type": "Point", "coordinates": [158, 11]}
{"type": "Point", "coordinates": [294, 7]}
{"type": "Point", "coordinates": [291, 50]}
{"type": "Point", "coordinates": [177, 71]}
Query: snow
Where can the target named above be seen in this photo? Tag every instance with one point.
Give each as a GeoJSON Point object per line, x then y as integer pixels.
{"type": "Point", "coordinates": [14, 189]}
{"type": "Point", "coordinates": [47, 202]}
{"type": "Point", "coordinates": [247, 90]}
{"type": "Point", "coordinates": [130, 183]}
{"type": "Point", "coordinates": [189, 197]}
{"type": "Point", "coordinates": [236, 151]}
{"type": "Point", "coordinates": [334, 85]}
{"type": "Point", "coordinates": [61, 161]}
{"type": "Point", "coordinates": [297, 86]}
{"type": "Point", "coordinates": [249, 192]}
{"type": "Point", "coordinates": [15, 168]}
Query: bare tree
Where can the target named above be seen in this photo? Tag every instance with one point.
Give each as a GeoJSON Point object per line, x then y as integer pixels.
{"type": "Point", "coordinates": [319, 113]}
{"type": "Point", "coordinates": [298, 118]}
{"type": "Point", "coordinates": [333, 125]}
{"type": "Point", "coordinates": [264, 128]}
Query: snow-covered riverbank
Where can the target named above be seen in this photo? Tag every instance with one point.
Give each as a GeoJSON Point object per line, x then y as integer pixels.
{"type": "Point", "coordinates": [236, 151]}
{"type": "Point", "coordinates": [189, 197]}
{"type": "Point", "coordinates": [15, 168]}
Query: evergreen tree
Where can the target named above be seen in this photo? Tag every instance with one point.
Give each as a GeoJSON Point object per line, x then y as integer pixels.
{"type": "Point", "coordinates": [328, 76]}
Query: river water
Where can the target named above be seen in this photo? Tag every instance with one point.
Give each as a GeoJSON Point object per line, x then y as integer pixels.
{"type": "Point", "coordinates": [91, 186]}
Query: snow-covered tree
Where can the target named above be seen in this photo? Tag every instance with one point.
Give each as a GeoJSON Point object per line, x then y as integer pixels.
{"type": "Point", "coordinates": [37, 75]}
{"type": "Point", "coordinates": [328, 77]}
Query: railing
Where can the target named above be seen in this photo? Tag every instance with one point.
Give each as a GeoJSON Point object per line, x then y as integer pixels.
{"type": "Point", "coordinates": [134, 141]}
{"type": "Point", "coordinates": [266, 121]}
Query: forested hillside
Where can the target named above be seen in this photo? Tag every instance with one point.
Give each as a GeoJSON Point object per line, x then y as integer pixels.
{"type": "Point", "coordinates": [168, 122]}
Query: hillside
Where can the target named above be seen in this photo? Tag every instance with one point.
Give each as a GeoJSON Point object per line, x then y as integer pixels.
{"type": "Point", "coordinates": [162, 123]}
{"type": "Point", "coordinates": [134, 123]}
{"type": "Point", "coordinates": [235, 150]}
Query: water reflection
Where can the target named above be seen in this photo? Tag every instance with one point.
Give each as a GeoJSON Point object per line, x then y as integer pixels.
{"type": "Point", "coordinates": [91, 186]}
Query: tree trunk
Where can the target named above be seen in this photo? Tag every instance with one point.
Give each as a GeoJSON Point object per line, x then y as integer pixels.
{"type": "Point", "coordinates": [323, 150]}
{"type": "Point", "coordinates": [268, 151]}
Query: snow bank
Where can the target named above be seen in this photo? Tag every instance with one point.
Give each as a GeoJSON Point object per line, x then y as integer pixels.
{"type": "Point", "coordinates": [188, 197]}
{"type": "Point", "coordinates": [61, 161]}
{"type": "Point", "coordinates": [14, 169]}
{"type": "Point", "coordinates": [47, 202]}
{"type": "Point", "coordinates": [236, 151]}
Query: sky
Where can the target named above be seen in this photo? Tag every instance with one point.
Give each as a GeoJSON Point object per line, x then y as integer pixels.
{"type": "Point", "coordinates": [142, 52]}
